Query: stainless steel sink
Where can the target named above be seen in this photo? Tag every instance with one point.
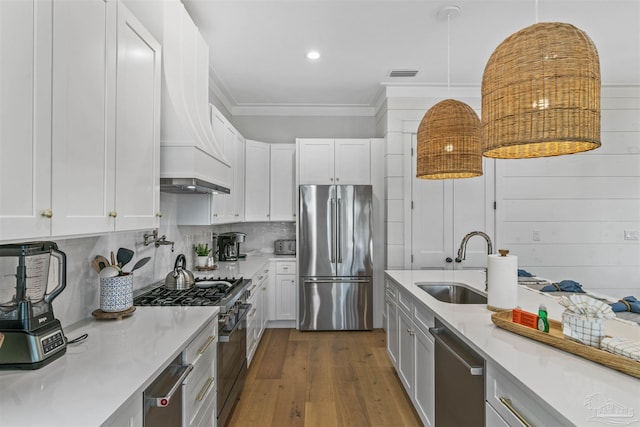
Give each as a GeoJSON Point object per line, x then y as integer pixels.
{"type": "Point", "coordinates": [453, 292]}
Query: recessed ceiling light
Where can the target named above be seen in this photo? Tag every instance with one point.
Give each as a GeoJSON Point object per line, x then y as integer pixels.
{"type": "Point", "coordinates": [313, 54]}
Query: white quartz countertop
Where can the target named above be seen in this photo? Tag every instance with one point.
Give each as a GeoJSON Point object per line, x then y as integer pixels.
{"type": "Point", "coordinates": [245, 267]}
{"type": "Point", "coordinates": [564, 381]}
{"type": "Point", "coordinates": [94, 378]}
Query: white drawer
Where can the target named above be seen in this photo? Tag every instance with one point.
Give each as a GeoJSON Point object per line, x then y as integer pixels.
{"type": "Point", "coordinates": [199, 387]}
{"type": "Point", "coordinates": [423, 318]}
{"type": "Point", "coordinates": [492, 418]}
{"type": "Point", "coordinates": [391, 291]}
{"type": "Point", "coordinates": [204, 342]}
{"type": "Point", "coordinates": [207, 417]}
{"type": "Point", "coordinates": [285, 267]}
{"type": "Point", "coordinates": [503, 391]}
{"type": "Point", "coordinates": [405, 301]}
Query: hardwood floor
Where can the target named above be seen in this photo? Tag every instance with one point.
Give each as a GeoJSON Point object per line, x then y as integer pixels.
{"type": "Point", "coordinates": [322, 379]}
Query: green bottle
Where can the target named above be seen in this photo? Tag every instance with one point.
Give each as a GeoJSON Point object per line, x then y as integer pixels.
{"type": "Point", "coordinates": [543, 322]}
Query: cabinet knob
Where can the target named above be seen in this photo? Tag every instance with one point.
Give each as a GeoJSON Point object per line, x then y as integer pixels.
{"type": "Point", "coordinates": [331, 179]}
{"type": "Point", "coordinates": [337, 179]}
{"type": "Point", "coordinates": [268, 216]}
{"type": "Point", "coordinates": [47, 213]}
{"type": "Point", "coordinates": [215, 214]}
{"type": "Point", "coordinates": [159, 214]}
{"type": "Point", "coordinates": [449, 259]}
{"type": "Point", "coordinates": [113, 214]}
{"type": "Point", "coordinates": [237, 214]}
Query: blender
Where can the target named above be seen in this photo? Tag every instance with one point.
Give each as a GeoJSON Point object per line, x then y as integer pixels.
{"type": "Point", "coordinates": [29, 282]}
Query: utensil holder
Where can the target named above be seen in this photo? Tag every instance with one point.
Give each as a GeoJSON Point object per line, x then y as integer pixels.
{"type": "Point", "coordinates": [587, 330]}
{"type": "Point", "coordinates": [116, 293]}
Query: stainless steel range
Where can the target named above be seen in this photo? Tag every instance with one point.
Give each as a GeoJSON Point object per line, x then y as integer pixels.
{"type": "Point", "coordinates": [230, 295]}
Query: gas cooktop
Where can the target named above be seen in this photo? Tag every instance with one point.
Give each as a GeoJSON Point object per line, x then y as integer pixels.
{"type": "Point", "coordinates": [206, 291]}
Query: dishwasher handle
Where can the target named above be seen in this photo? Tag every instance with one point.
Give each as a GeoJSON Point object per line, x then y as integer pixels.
{"type": "Point", "coordinates": [440, 336]}
{"type": "Point", "coordinates": [182, 371]}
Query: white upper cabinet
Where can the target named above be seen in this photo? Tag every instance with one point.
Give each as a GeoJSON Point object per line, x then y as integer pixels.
{"type": "Point", "coordinates": [106, 112]}
{"type": "Point", "coordinates": [238, 179]}
{"type": "Point", "coordinates": [256, 181]}
{"type": "Point", "coordinates": [139, 71]}
{"type": "Point", "coordinates": [84, 78]}
{"type": "Point", "coordinates": [334, 161]}
{"type": "Point", "coordinates": [316, 161]}
{"type": "Point", "coordinates": [25, 119]}
{"type": "Point", "coordinates": [270, 182]}
{"type": "Point", "coordinates": [84, 142]}
{"type": "Point", "coordinates": [283, 182]}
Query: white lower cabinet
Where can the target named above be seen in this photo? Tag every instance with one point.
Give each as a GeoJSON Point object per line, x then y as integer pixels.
{"type": "Point", "coordinates": [199, 394]}
{"type": "Point", "coordinates": [391, 326]}
{"type": "Point", "coordinates": [514, 404]}
{"type": "Point", "coordinates": [411, 349]}
{"type": "Point", "coordinates": [128, 415]}
{"type": "Point", "coordinates": [285, 290]}
{"type": "Point", "coordinates": [424, 374]}
{"type": "Point", "coordinates": [257, 316]}
{"type": "Point", "coordinates": [405, 354]}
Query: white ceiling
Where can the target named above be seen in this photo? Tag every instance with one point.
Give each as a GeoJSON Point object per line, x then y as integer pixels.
{"type": "Point", "coordinates": [258, 47]}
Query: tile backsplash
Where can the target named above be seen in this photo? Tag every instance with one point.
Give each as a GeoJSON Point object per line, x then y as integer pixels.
{"type": "Point", "coordinates": [82, 293]}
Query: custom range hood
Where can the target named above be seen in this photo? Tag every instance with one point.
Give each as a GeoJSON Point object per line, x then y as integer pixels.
{"type": "Point", "coordinates": [191, 159]}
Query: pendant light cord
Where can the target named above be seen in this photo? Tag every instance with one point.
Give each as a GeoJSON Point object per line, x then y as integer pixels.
{"type": "Point", "coordinates": [449, 54]}
{"type": "Point", "coordinates": [536, 11]}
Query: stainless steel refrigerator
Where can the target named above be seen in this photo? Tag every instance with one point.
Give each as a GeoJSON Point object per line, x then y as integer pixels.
{"type": "Point", "coordinates": [335, 257]}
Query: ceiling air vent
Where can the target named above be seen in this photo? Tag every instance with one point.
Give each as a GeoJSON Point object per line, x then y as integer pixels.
{"type": "Point", "coordinates": [403, 73]}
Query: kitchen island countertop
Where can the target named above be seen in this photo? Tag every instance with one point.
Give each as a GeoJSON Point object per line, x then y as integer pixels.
{"type": "Point", "coordinates": [564, 381]}
{"type": "Point", "coordinates": [88, 384]}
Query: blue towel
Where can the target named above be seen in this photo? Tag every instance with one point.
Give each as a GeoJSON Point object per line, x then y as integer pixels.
{"type": "Point", "coordinates": [564, 286]}
{"type": "Point", "coordinates": [524, 273]}
{"type": "Point", "coordinates": [633, 305]}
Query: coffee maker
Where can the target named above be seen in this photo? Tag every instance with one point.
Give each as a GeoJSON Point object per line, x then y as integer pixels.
{"type": "Point", "coordinates": [229, 246]}
{"type": "Point", "coordinates": [33, 337]}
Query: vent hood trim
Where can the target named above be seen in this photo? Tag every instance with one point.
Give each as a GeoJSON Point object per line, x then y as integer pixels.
{"type": "Point", "coordinates": [191, 186]}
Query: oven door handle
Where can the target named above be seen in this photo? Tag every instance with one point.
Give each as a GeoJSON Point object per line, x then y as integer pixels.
{"type": "Point", "coordinates": [182, 371]}
{"type": "Point", "coordinates": [224, 336]}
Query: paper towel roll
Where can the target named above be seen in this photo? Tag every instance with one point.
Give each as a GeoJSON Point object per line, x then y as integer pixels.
{"type": "Point", "coordinates": [502, 282]}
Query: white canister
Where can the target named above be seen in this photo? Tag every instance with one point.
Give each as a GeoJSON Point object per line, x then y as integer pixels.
{"type": "Point", "coordinates": [116, 293]}
{"type": "Point", "coordinates": [502, 281]}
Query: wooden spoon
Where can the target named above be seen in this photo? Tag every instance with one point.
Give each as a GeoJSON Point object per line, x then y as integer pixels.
{"type": "Point", "coordinates": [102, 261]}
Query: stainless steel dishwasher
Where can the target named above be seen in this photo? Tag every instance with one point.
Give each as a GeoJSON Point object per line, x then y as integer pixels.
{"type": "Point", "coordinates": [459, 381]}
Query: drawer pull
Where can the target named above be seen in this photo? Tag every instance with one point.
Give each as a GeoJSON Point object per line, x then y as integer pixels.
{"type": "Point", "coordinates": [252, 288]}
{"type": "Point", "coordinates": [205, 389]}
{"type": "Point", "coordinates": [206, 345]}
{"type": "Point", "coordinates": [507, 402]}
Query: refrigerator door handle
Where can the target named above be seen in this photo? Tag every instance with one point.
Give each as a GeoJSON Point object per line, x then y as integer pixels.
{"type": "Point", "coordinates": [339, 240]}
{"type": "Point", "coordinates": [333, 231]}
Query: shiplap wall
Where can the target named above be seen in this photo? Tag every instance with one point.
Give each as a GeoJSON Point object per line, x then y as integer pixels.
{"type": "Point", "coordinates": [578, 207]}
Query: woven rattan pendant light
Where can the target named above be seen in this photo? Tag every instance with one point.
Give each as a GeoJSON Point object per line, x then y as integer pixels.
{"type": "Point", "coordinates": [541, 94]}
{"type": "Point", "coordinates": [449, 137]}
